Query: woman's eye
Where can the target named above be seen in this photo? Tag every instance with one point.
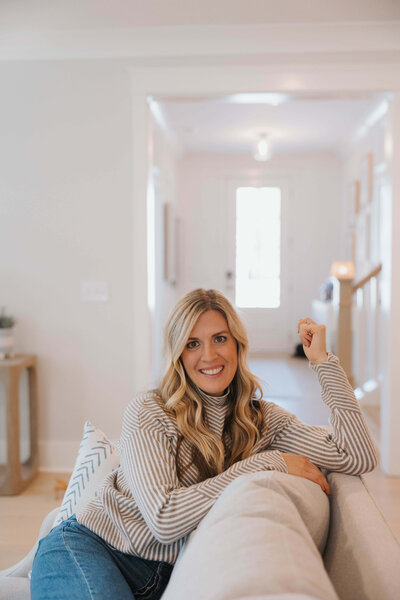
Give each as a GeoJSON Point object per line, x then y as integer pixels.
{"type": "Point", "coordinates": [191, 345]}
{"type": "Point", "coordinates": [220, 339]}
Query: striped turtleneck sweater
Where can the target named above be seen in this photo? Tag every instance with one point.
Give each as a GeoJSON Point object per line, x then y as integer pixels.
{"type": "Point", "coordinates": [143, 509]}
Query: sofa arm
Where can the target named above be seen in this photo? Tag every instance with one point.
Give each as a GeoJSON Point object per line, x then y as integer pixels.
{"type": "Point", "coordinates": [362, 556]}
{"type": "Point", "coordinates": [22, 568]}
{"type": "Point", "coordinates": [256, 542]}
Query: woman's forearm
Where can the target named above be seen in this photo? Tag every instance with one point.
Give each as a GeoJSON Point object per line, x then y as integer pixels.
{"type": "Point", "coordinates": [349, 448]}
{"type": "Point", "coordinates": [171, 510]}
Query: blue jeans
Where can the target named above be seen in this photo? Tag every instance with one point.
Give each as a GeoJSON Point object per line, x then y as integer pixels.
{"type": "Point", "coordinates": [73, 562]}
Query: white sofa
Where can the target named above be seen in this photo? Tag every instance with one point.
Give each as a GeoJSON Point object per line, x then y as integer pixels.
{"type": "Point", "coordinates": [231, 554]}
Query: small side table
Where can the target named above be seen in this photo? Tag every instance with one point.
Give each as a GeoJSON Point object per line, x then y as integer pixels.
{"type": "Point", "coordinates": [15, 475]}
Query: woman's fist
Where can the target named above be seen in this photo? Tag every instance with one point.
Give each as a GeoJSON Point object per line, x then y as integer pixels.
{"type": "Point", "coordinates": [303, 467]}
{"type": "Point", "coordinates": [312, 336]}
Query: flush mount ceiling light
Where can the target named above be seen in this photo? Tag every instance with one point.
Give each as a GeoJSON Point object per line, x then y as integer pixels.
{"type": "Point", "coordinates": [273, 99]}
{"type": "Point", "coordinates": [262, 150]}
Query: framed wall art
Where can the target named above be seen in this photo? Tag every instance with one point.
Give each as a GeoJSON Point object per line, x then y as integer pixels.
{"type": "Point", "coordinates": [353, 203]}
{"type": "Point", "coordinates": [366, 180]}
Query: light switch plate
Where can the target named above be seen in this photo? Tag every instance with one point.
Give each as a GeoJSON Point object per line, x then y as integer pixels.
{"type": "Point", "coordinates": [94, 291]}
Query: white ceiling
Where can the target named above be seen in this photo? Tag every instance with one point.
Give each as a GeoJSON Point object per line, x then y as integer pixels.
{"type": "Point", "coordinates": [301, 124]}
{"type": "Point", "coordinates": [104, 14]}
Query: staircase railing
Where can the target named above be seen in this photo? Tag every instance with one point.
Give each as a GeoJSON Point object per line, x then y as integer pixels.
{"type": "Point", "coordinates": [344, 273]}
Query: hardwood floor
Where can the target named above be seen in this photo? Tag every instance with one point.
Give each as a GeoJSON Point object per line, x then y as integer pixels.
{"type": "Point", "coordinates": [22, 515]}
{"type": "Point", "coordinates": [287, 381]}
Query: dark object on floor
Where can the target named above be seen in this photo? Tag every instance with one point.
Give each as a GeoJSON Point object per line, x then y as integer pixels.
{"type": "Point", "coordinates": [299, 352]}
{"type": "Point", "coordinates": [326, 290]}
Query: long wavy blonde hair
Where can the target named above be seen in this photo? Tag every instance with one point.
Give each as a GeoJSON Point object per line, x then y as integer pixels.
{"type": "Point", "coordinates": [243, 422]}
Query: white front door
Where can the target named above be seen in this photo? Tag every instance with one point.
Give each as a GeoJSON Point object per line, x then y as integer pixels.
{"type": "Point", "coordinates": [258, 273]}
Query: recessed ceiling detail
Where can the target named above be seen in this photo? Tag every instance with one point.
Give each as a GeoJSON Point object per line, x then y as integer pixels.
{"type": "Point", "coordinates": [295, 123]}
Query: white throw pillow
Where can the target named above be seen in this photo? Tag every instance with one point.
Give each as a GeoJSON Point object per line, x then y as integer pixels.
{"type": "Point", "coordinates": [97, 457]}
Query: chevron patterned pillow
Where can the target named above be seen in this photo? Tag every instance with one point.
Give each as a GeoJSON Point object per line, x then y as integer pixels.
{"type": "Point", "coordinates": [97, 457]}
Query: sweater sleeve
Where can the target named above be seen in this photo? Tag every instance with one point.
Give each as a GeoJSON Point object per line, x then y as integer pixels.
{"type": "Point", "coordinates": [171, 510]}
{"type": "Point", "coordinates": [349, 447]}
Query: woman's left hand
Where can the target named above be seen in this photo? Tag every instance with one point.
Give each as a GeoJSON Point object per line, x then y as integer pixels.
{"type": "Point", "coordinates": [312, 336]}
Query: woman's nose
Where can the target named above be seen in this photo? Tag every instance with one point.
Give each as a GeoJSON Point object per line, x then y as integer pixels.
{"type": "Point", "coordinates": [209, 352]}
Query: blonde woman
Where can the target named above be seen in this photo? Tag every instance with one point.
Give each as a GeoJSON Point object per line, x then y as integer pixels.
{"type": "Point", "coordinates": [182, 445]}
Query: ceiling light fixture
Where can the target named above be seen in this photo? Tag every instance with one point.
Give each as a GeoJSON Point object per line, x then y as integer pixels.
{"type": "Point", "coordinates": [274, 99]}
{"type": "Point", "coordinates": [262, 151]}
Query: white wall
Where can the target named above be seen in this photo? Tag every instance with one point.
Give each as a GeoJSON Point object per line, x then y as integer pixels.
{"type": "Point", "coordinates": [66, 217]}
{"type": "Point", "coordinates": [163, 180]}
{"type": "Point", "coordinates": [315, 208]}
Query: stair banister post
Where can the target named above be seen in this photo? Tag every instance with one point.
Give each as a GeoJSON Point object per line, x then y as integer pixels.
{"type": "Point", "coordinates": [344, 273]}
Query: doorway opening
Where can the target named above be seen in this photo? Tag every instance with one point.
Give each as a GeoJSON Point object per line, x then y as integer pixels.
{"type": "Point", "coordinates": [263, 232]}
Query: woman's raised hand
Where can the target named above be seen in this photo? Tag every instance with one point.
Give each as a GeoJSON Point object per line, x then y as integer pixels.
{"type": "Point", "coordinates": [303, 467]}
{"type": "Point", "coordinates": [312, 336]}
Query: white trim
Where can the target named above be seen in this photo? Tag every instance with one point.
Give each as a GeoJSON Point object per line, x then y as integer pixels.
{"type": "Point", "coordinates": [220, 80]}
{"type": "Point", "coordinates": [390, 286]}
{"type": "Point", "coordinates": [61, 471]}
{"type": "Point", "coordinates": [142, 325]}
{"type": "Point", "coordinates": [201, 40]}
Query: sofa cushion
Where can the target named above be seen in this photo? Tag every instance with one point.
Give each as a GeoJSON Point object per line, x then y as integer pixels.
{"type": "Point", "coordinates": [15, 588]}
{"type": "Point", "coordinates": [259, 540]}
{"type": "Point", "coordinates": [97, 457]}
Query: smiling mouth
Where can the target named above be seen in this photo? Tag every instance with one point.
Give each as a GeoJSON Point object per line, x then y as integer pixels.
{"type": "Point", "coordinates": [211, 371]}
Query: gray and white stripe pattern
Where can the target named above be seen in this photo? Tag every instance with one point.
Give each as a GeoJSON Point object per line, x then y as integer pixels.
{"type": "Point", "coordinates": [143, 509]}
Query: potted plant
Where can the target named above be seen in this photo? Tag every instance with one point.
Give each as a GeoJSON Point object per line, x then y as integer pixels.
{"type": "Point", "coordinates": [6, 335]}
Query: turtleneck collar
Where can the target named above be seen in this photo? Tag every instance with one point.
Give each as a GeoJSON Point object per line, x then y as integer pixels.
{"type": "Point", "coordinates": [213, 400]}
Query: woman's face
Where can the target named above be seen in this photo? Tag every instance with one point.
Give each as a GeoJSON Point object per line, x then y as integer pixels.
{"type": "Point", "coordinates": [210, 354]}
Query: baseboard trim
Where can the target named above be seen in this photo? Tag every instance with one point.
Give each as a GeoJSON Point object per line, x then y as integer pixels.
{"type": "Point", "coordinates": [58, 456]}
{"type": "Point", "coordinates": [55, 471]}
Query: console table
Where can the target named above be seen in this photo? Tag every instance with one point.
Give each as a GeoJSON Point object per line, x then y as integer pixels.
{"type": "Point", "coordinates": [15, 472]}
